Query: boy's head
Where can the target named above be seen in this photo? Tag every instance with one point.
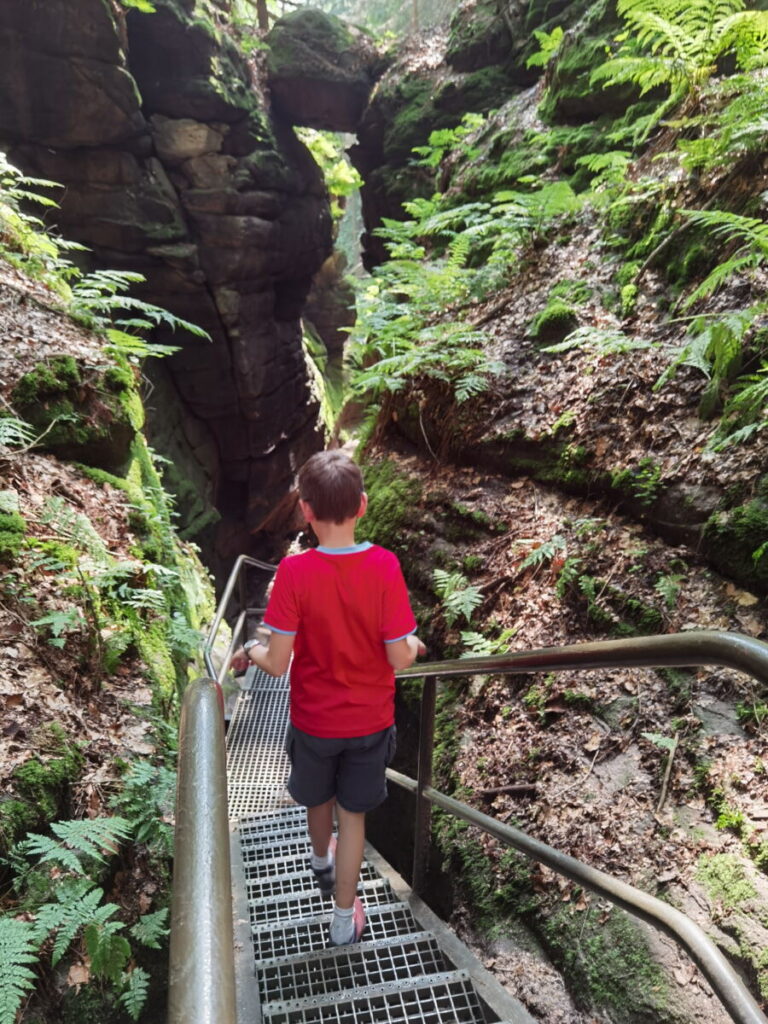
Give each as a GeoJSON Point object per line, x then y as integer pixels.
{"type": "Point", "coordinates": [332, 484]}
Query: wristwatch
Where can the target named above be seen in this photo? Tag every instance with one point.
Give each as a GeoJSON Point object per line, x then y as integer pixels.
{"type": "Point", "coordinates": [255, 642]}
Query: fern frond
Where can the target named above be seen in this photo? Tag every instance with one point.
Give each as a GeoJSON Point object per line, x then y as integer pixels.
{"type": "Point", "coordinates": [150, 928]}
{"type": "Point", "coordinates": [87, 837]}
{"type": "Point", "coordinates": [18, 950]}
{"type": "Point", "coordinates": [135, 991]}
{"type": "Point", "coordinates": [109, 952]}
{"type": "Point", "coordinates": [15, 433]}
{"type": "Point", "coordinates": [77, 901]}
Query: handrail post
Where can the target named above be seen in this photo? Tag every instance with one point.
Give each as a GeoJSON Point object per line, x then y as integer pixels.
{"type": "Point", "coordinates": [423, 825]}
{"type": "Point", "coordinates": [202, 969]}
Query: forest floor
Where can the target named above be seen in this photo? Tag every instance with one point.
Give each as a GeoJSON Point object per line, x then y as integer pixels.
{"type": "Point", "coordinates": [593, 747]}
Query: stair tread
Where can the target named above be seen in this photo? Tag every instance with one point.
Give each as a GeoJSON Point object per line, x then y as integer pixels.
{"type": "Point", "coordinates": [449, 996]}
{"type": "Point", "coordinates": [342, 968]}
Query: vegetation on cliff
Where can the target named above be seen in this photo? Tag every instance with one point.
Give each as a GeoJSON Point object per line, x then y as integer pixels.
{"type": "Point", "coordinates": [101, 607]}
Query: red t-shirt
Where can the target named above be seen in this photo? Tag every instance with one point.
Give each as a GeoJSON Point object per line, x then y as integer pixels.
{"type": "Point", "coordinates": [343, 605]}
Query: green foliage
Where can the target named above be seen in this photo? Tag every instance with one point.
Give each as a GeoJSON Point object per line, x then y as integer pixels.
{"type": "Point", "coordinates": [543, 552]}
{"type": "Point", "coordinates": [668, 587]}
{"type": "Point", "coordinates": [678, 44]}
{"type": "Point", "coordinates": [549, 45]}
{"type": "Point", "coordinates": [94, 299]}
{"type": "Point", "coordinates": [135, 992]}
{"type": "Point", "coordinates": [724, 877]}
{"type": "Point", "coordinates": [749, 234]}
{"type": "Point", "coordinates": [410, 327]}
{"type": "Point", "coordinates": [75, 840]}
{"type": "Point", "coordinates": [476, 645]}
{"type": "Point", "coordinates": [459, 597]}
{"type": "Point", "coordinates": [340, 176]}
{"type": "Point", "coordinates": [150, 929]}
{"type": "Point", "coordinates": [641, 481]}
{"type": "Point", "coordinates": [718, 347]}
{"type": "Point", "coordinates": [446, 141]}
{"type": "Point", "coordinates": [15, 433]}
{"type": "Point", "coordinates": [18, 952]}
{"type": "Point", "coordinates": [146, 799]}
{"type": "Point", "coordinates": [600, 342]}
{"type": "Point", "coordinates": [139, 5]}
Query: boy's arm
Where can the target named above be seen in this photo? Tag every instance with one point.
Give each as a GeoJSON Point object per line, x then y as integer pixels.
{"type": "Point", "coordinates": [402, 653]}
{"type": "Point", "coordinates": [275, 658]}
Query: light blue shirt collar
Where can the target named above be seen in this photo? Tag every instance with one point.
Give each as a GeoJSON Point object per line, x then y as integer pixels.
{"type": "Point", "coordinates": [353, 549]}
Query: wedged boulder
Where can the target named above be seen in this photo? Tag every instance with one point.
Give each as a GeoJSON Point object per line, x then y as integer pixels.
{"type": "Point", "coordinates": [84, 94]}
{"type": "Point", "coordinates": [321, 71]}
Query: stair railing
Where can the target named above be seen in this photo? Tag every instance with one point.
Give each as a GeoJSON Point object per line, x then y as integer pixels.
{"type": "Point", "coordinates": [237, 578]}
{"type": "Point", "coordinates": [206, 953]}
{"type": "Point", "coordinates": [202, 967]}
{"type": "Point", "coordinates": [695, 648]}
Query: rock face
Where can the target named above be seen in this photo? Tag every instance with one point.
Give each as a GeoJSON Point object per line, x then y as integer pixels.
{"type": "Point", "coordinates": [173, 166]}
{"type": "Point", "coordinates": [321, 71]}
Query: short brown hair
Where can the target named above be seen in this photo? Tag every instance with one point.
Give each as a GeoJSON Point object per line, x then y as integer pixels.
{"type": "Point", "coordinates": [332, 484]}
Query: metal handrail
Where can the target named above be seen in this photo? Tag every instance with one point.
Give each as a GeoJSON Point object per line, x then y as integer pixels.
{"type": "Point", "coordinates": [202, 969]}
{"type": "Point", "coordinates": [722, 977]}
{"type": "Point", "coordinates": [236, 577]}
{"type": "Point", "coordinates": [695, 648]}
{"type": "Point", "coordinates": [202, 972]}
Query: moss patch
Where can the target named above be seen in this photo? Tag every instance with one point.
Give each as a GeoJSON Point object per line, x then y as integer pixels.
{"type": "Point", "coordinates": [391, 501]}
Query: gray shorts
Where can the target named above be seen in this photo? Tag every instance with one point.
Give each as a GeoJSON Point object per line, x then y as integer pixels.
{"type": "Point", "coordinates": [352, 769]}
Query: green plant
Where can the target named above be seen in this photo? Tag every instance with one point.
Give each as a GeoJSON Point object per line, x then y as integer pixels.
{"type": "Point", "coordinates": [601, 342]}
{"type": "Point", "coordinates": [671, 42]}
{"type": "Point", "coordinates": [450, 140]}
{"type": "Point", "coordinates": [549, 45]}
{"type": "Point", "coordinates": [668, 587]}
{"type": "Point", "coordinates": [146, 799]}
{"type": "Point", "coordinates": [642, 481]}
{"type": "Point", "coordinates": [749, 234]}
{"type": "Point", "coordinates": [543, 552]}
{"type": "Point", "coordinates": [459, 597]}
{"type": "Point", "coordinates": [476, 645]}
{"type": "Point", "coordinates": [341, 178]}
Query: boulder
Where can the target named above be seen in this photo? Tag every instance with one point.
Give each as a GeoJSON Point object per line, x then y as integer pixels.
{"type": "Point", "coordinates": [321, 71]}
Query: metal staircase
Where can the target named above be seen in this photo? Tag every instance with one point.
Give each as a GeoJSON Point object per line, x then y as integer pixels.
{"type": "Point", "coordinates": [400, 972]}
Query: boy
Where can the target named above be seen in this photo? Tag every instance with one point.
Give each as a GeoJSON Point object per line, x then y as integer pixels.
{"type": "Point", "coordinates": [342, 609]}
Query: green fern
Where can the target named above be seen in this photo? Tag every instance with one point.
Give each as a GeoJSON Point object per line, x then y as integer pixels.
{"type": "Point", "coordinates": [460, 598]}
{"type": "Point", "coordinates": [729, 228]}
{"type": "Point", "coordinates": [109, 952]}
{"type": "Point", "coordinates": [18, 951]}
{"type": "Point", "coordinates": [88, 837]}
{"type": "Point", "coordinates": [745, 413]}
{"type": "Point", "coordinates": [602, 341]}
{"type": "Point", "coordinates": [151, 928]}
{"type": "Point", "coordinates": [135, 992]}
{"type": "Point", "coordinates": [679, 43]}
{"type": "Point", "coordinates": [77, 902]}
{"type": "Point", "coordinates": [15, 433]}
{"type": "Point", "coordinates": [544, 552]}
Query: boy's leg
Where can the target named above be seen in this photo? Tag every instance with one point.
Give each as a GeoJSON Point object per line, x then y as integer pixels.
{"type": "Point", "coordinates": [349, 855]}
{"type": "Point", "coordinates": [320, 825]}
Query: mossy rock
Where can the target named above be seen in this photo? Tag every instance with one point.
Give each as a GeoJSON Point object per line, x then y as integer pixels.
{"type": "Point", "coordinates": [734, 543]}
{"type": "Point", "coordinates": [571, 98]}
{"type": "Point", "coordinates": [43, 783]}
{"type": "Point", "coordinates": [391, 501]}
{"type": "Point", "coordinates": [553, 323]}
{"type": "Point", "coordinates": [13, 529]}
{"type": "Point", "coordinates": [81, 414]}
{"type": "Point", "coordinates": [478, 37]}
{"type": "Point", "coordinates": [609, 964]}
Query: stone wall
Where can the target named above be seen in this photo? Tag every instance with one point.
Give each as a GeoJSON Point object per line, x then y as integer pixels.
{"type": "Point", "coordinates": [173, 165]}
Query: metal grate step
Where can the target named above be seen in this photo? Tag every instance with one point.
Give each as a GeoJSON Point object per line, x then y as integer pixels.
{"type": "Point", "coordinates": [346, 967]}
{"type": "Point", "coordinates": [311, 903]}
{"type": "Point", "coordinates": [311, 934]}
{"type": "Point", "coordinates": [449, 997]}
{"type": "Point", "coordinates": [257, 765]}
{"type": "Point", "coordinates": [287, 882]}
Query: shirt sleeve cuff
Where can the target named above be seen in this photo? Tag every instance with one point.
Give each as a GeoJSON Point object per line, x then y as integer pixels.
{"type": "Point", "coordinates": [396, 638]}
{"type": "Point", "coordinates": [274, 629]}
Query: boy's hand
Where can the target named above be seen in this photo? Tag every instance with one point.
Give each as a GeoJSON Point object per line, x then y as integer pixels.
{"type": "Point", "coordinates": [240, 661]}
{"type": "Point", "coordinates": [420, 647]}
